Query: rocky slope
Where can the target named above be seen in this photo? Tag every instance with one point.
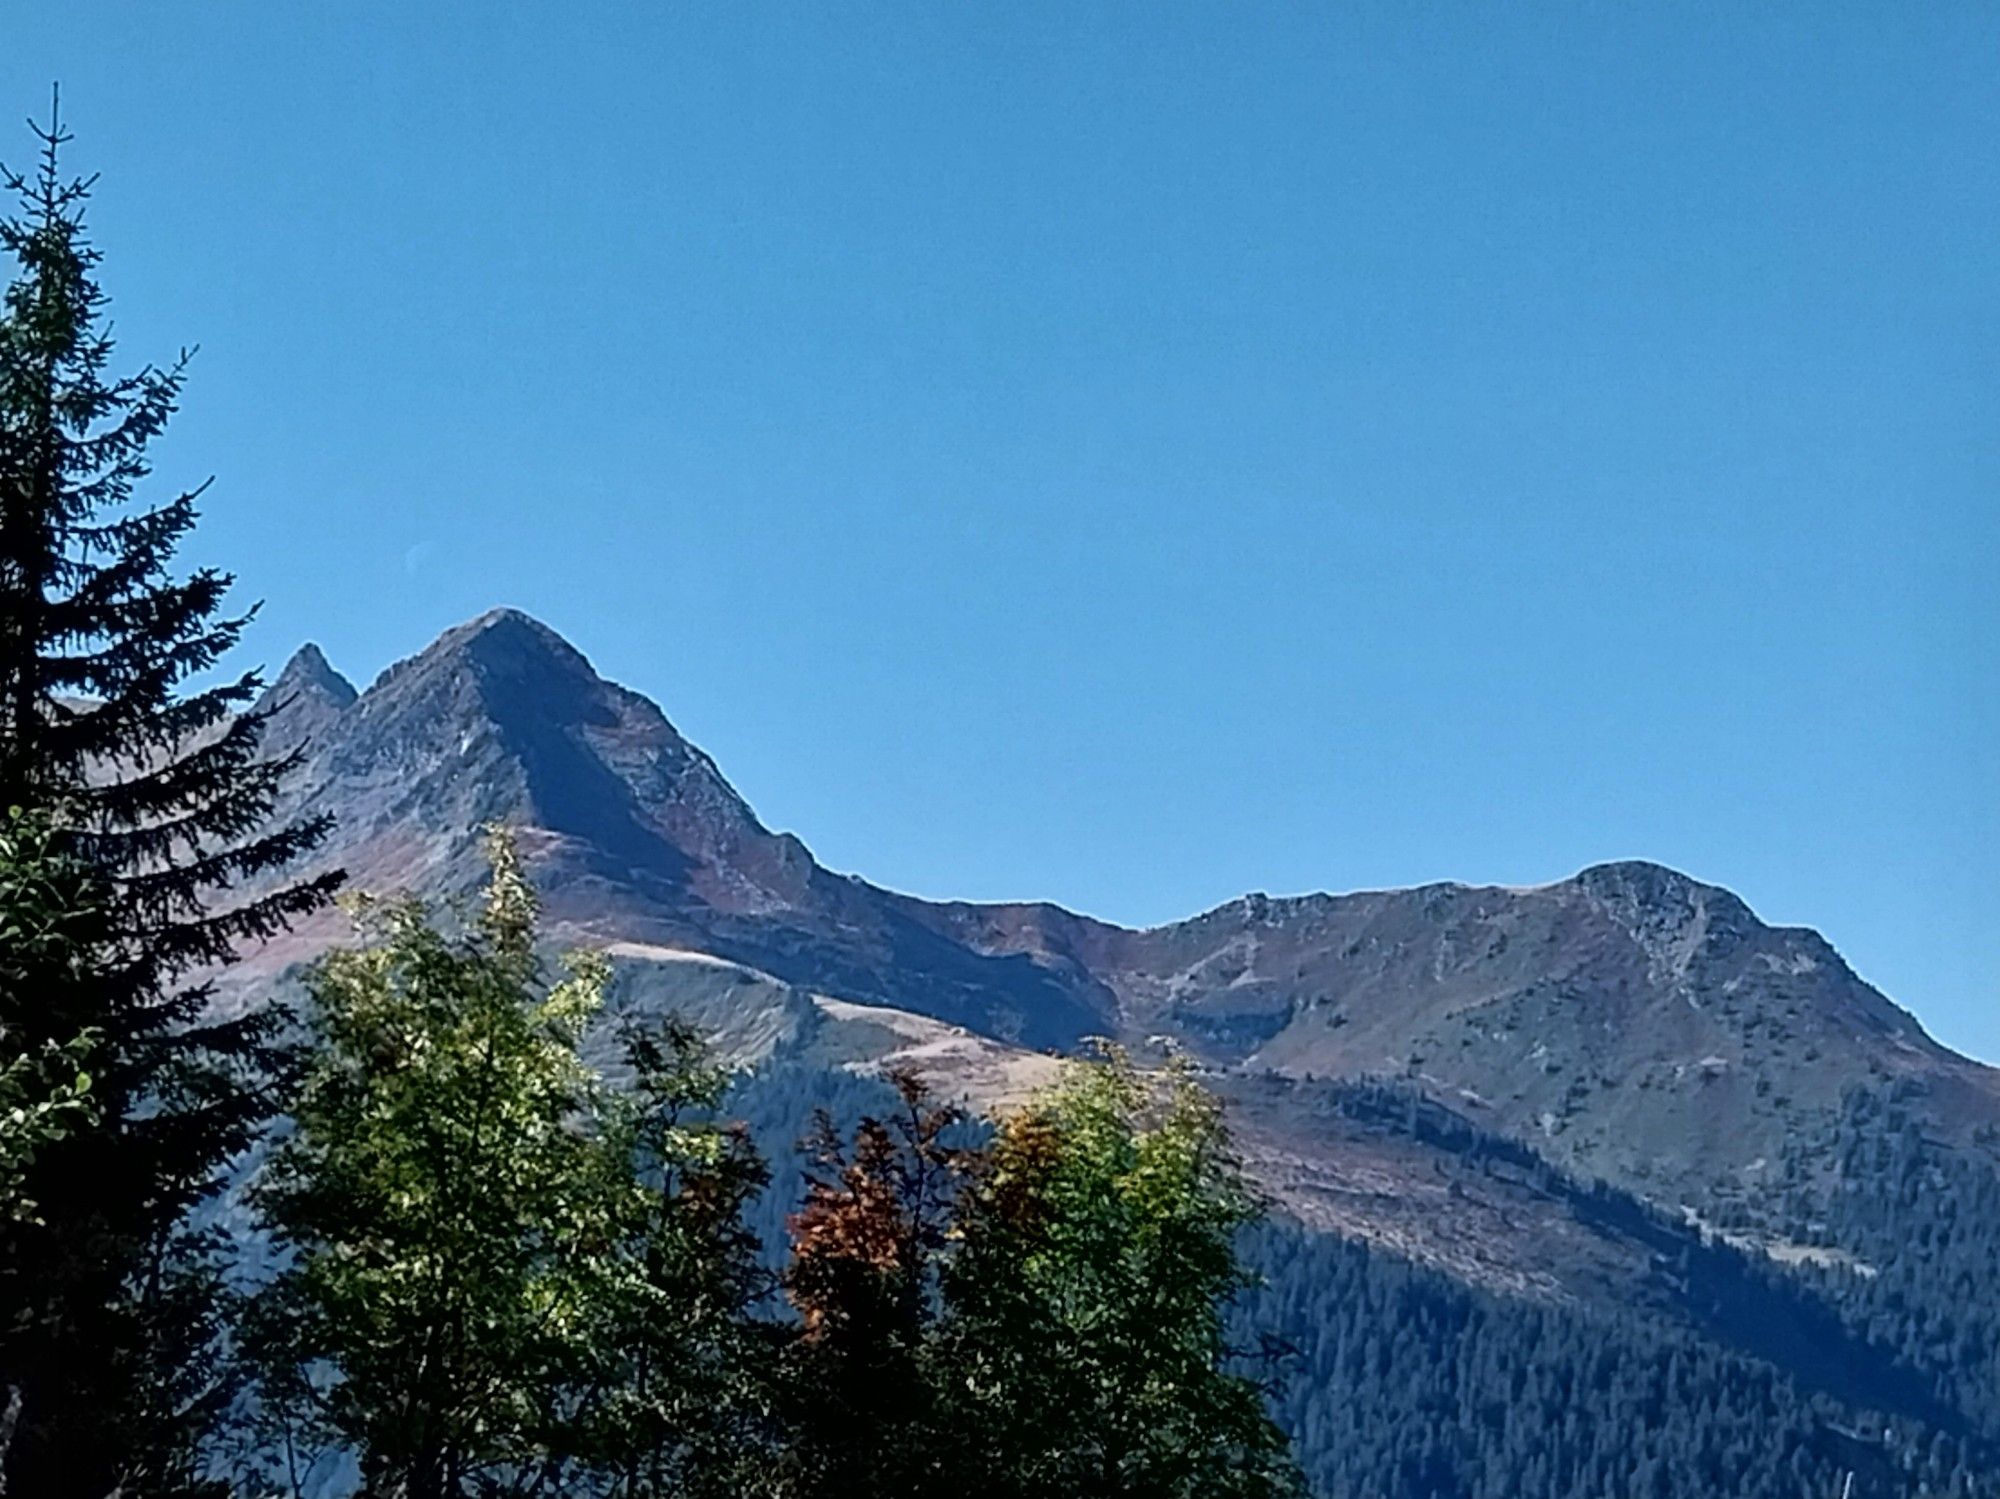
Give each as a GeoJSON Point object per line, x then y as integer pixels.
{"type": "Point", "coordinates": [1631, 1022]}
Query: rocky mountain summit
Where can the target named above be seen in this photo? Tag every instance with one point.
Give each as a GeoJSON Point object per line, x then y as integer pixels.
{"type": "Point", "coordinates": [1634, 1024]}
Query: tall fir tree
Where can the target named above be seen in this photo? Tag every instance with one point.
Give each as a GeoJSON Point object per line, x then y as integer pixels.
{"type": "Point", "coordinates": [164, 795]}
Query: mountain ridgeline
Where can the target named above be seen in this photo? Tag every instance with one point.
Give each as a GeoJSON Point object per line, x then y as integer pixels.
{"type": "Point", "coordinates": [1640, 1025]}
{"type": "Point", "coordinates": [1594, 1126]}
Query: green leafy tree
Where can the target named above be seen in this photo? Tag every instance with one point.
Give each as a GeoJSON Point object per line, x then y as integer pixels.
{"type": "Point", "coordinates": [43, 1096]}
{"type": "Point", "coordinates": [164, 796]}
{"type": "Point", "coordinates": [1083, 1350]}
{"type": "Point", "coordinates": [680, 1401]}
{"type": "Point", "coordinates": [48, 931]}
{"type": "Point", "coordinates": [442, 1202]}
{"type": "Point", "coordinates": [504, 1277]}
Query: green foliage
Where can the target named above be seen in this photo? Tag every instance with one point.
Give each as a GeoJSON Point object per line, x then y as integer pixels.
{"type": "Point", "coordinates": [438, 1197]}
{"type": "Point", "coordinates": [505, 1279]}
{"type": "Point", "coordinates": [47, 934]}
{"type": "Point", "coordinates": [102, 1376]}
{"type": "Point", "coordinates": [1084, 1335]}
{"type": "Point", "coordinates": [682, 1401]}
{"type": "Point", "coordinates": [43, 1096]}
{"type": "Point", "coordinates": [1040, 1313]}
{"type": "Point", "coordinates": [163, 795]}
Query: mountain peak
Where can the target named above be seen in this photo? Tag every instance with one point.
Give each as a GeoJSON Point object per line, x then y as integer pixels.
{"type": "Point", "coordinates": [505, 641]}
{"type": "Point", "coordinates": [500, 719]}
{"type": "Point", "coordinates": [504, 618]}
{"type": "Point", "coordinates": [512, 634]}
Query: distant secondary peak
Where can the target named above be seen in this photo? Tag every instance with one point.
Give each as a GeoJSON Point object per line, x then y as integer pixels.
{"type": "Point", "coordinates": [1626, 872]}
{"type": "Point", "coordinates": [1653, 901]}
{"type": "Point", "coordinates": [1645, 882]}
{"type": "Point", "coordinates": [310, 672]}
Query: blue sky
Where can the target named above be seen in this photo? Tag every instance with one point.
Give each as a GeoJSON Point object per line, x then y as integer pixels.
{"type": "Point", "coordinates": [1134, 454]}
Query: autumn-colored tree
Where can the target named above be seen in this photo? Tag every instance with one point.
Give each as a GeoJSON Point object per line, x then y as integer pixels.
{"type": "Point", "coordinates": [1040, 1314]}
{"type": "Point", "coordinates": [863, 1401]}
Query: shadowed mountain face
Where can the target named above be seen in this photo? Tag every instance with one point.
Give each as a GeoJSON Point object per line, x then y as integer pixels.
{"type": "Point", "coordinates": [633, 832]}
{"type": "Point", "coordinates": [1632, 1022]}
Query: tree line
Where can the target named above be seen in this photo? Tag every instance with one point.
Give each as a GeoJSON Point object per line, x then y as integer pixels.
{"type": "Point", "coordinates": [490, 1272]}
{"type": "Point", "coordinates": [504, 1275]}
{"type": "Point", "coordinates": [1721, 1372]}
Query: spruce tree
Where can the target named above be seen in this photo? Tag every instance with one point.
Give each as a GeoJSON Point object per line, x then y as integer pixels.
{"type": "Point", "coordinates": [163, 794]}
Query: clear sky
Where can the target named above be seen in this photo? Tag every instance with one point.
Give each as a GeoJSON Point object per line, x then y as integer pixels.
{"type": "Point", "coordinates": [1133, 454]}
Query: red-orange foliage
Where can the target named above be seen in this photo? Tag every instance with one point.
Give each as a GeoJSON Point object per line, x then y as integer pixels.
{"type": "Point", "coordinates": [874, 1216]}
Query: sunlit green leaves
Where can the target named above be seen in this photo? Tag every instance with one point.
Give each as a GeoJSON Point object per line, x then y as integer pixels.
{"type": "Point", "coordinates": [46, 916]}
{"type": "Point", "coordinates": [1083, 1330]}
{"type": "Point", "coordinates": [506, 1276]}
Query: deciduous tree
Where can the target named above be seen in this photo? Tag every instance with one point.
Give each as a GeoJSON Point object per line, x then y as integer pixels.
{"type": "Point", "coordinates": [866, 1413]}
{"type": "Point", "coordinates": [505, 1277]}
{"type": "Point", "coordinates": [1083, 1345]}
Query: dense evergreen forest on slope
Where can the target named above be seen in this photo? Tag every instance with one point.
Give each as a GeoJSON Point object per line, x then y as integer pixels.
{"type": "Point", "coordinates": [1924, 1219]}
{"type": "Point", "coordinates": [1735, 1374]}
{"type": "Point", "coordinates": [1740, 1377]}
{"type": "Point", "coordinates": [1408, 1383]}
